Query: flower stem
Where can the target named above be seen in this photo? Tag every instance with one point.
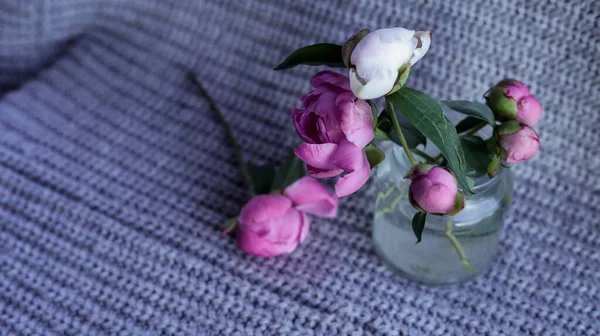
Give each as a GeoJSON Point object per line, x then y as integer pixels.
{"type": "Point", "coordinates": [424, 155]}
{"type": "Point", "coordinates": [458, 247]}
{"type": "Point", "coordinates": [476, 128]}
{"type": "Point", "coordinates": [229, 133]}
{"type": "Point", "coordinates": [229, 226]}
{"type": "Point", "coordinates": [398, 130]}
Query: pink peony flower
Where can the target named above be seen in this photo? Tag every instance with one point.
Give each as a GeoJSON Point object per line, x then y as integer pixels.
{"type": "Point", "coordinates": [512, 100]}
{"type": "Point", "coordinates": [434, 190]}
{"type": "Point", "coordinates": [336, 127]}
{"type": "Point", "coordinates": [518, 140]}
{"type": "Point", "coordinates": [271, 225]}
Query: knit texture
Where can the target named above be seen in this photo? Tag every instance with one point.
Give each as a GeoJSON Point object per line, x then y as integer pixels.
{"type": "Point", "coordinates": [115, 176]}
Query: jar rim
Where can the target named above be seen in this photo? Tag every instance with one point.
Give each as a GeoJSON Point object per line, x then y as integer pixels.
{"type": "Point", "coordinates": [489, 181]}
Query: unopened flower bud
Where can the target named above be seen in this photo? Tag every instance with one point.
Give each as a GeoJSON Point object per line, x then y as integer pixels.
{"type": "Point", "coordinates": [512, 100]}
{"type": "Point", "coordinates": [518, 141]}
{"type": "Point", "coordinates": [380, 61]}
{"type": "Point", "coordinates": [434, 190]}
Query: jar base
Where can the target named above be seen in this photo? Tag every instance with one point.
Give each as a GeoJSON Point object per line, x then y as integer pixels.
{"type": "Point", "coordinates": [434, 282]}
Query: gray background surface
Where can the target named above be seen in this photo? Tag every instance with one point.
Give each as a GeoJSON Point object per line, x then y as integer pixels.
{"type": "Point", "coordinates": [114, 176]}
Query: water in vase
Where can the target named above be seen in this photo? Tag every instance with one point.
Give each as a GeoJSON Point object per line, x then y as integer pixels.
{"type": "Point", "coordinates": [435, 260]}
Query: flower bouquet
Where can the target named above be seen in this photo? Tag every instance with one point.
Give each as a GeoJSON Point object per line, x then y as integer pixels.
{"type": "Point", "coordinates": [433, 175]}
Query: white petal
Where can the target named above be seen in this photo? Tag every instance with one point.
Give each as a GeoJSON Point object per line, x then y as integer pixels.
{"type": "Point", "coordinates": [387, 48]}
{"type": "Point", "coordinates": [381, 82]}
{"type": "Point", "coordinates": [424, 37]}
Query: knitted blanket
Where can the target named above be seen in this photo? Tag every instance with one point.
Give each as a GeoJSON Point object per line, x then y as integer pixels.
{"type": "Point", "coordinates": [115, 176]}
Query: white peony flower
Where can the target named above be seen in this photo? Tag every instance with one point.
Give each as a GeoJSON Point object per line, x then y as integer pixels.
{"type": "Point", "coordinates": [378, 57]}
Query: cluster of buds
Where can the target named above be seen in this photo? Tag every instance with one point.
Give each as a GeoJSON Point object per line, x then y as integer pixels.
{"type": "Point", "coordinates": [514, 105]}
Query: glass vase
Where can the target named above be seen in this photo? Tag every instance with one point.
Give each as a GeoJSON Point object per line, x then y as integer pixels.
{"type": "Point", "coordinates": [453, 249]}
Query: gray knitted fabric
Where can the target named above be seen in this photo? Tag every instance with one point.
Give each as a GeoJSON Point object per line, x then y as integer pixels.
{"type": "Point", "coordinates": [115, 176]}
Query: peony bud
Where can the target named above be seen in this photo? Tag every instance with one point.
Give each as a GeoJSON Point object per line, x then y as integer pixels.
{"type": "Point", "coordinates": [518, 141]}
{"type": "Point", "coordinates": [512, 100]}
{"type": "Point", "coordinates": [270, 226]}
{"type": "Point", "coordinates": [380, 61]}
{"type": "Point", "coordinates": [434, 190]}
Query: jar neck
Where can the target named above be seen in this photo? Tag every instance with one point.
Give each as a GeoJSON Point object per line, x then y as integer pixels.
{"type": "Point", "coordinates": [484, 185]}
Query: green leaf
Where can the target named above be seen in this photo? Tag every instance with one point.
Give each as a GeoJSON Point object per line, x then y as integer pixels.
{"type": "Point", "coordinates": [381, 135]}
{"type": "Point", "coordinates": [418, 224]}
{"type": "Point", "coordinates": [403, 73]}
{"type": "Point", "coordinates": [427, 116]}
{"type": "Point", "coordinates": [413, 136]}
{"type": "Point", "coordinates": [472, 109]}
{"type": "Point", "coordinates": [291, 170]}
{"type": "Point", "coordinates": [476, 152]}
{"type": "Point", "coordinates": [262, 178]}
{"type": "Point", "coordinates": [470, 182]}
{"type": "Point", "coordinates": [467, 124]}
{"type": "Point", "coordinates": [459, 205]}
{"type": "Point", "coordinates": [375, 112]}
{"type": "Point", "coordinates": [351, 44]}
{"type": "Point", "coordinates": [374, 155]}
{"type": "Point", "coordinates": [494, 166]}
{"type": "Point", "coordinates": [317, 54]}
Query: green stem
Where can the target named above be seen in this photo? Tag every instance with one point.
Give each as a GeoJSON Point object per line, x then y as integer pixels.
{"type": "Point", "coordinates": [229, 133]}
{"type": "Point", "coordinates": [457, 246]}
{"type": "Point", "coordinates": [229, 226]}
{"type": "Point", "coordinates": [398, 130]}
{"type": "Point", "coordinates": [477, 128]}
{"type": "Point", "coordinates": [425, 156]}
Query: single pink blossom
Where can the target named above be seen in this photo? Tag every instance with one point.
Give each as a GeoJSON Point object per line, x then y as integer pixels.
{"type": "Point", "coordinates": [270, 225]}
{"type": "Point", "coordinates": [336, 126]}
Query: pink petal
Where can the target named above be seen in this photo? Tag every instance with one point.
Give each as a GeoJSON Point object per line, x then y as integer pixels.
{"type": "Point", "coordinates": [332, 78]}
{"type": "Point", "coordinates": [312, 197]}
{"type": "Point", "coordinates": [529, 110]}
{"type": "Point", "coordinates": [353, 181]}
{"type": "Point", "coordinates": [306, 125]}
{"type": "Point", "coordinates": [432, 196]}
{"type": "Point", "coordinates": [440, 175]}
{"type": "Point", "coordinates": [309, 98]}
{"type": "Point", "coordinates": [263, 207]}
{"type": "Point", "coordinates": [274, 236]}
{"type": "Point", "coordinates": [252, 243]}
{"type": "Point", "coordinates": [305, 227]}
{"type": "Point", "coordinates": [320, 173]}
{"type": "Point", "coordinates": [357, 119]}
{"type": "Point", "coordinates": [317, 155]}
{"type": "Point", "coordinates": [328, 123]}
{"type": "Point", "coordinates": [348, 156]}
{"type": "Point", "coordinates": [521, 145]}
{"type": "Point", "coordinates": [515, 90]}
{"type": "Point", "coordinates": [319, 122]}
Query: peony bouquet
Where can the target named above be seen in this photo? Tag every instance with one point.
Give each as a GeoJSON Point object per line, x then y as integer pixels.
{"type": "Point", "coordinates": [341, 126]}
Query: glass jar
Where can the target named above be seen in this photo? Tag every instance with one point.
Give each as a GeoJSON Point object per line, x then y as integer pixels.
{"type": "Point", "coordinates": [453, 249]}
